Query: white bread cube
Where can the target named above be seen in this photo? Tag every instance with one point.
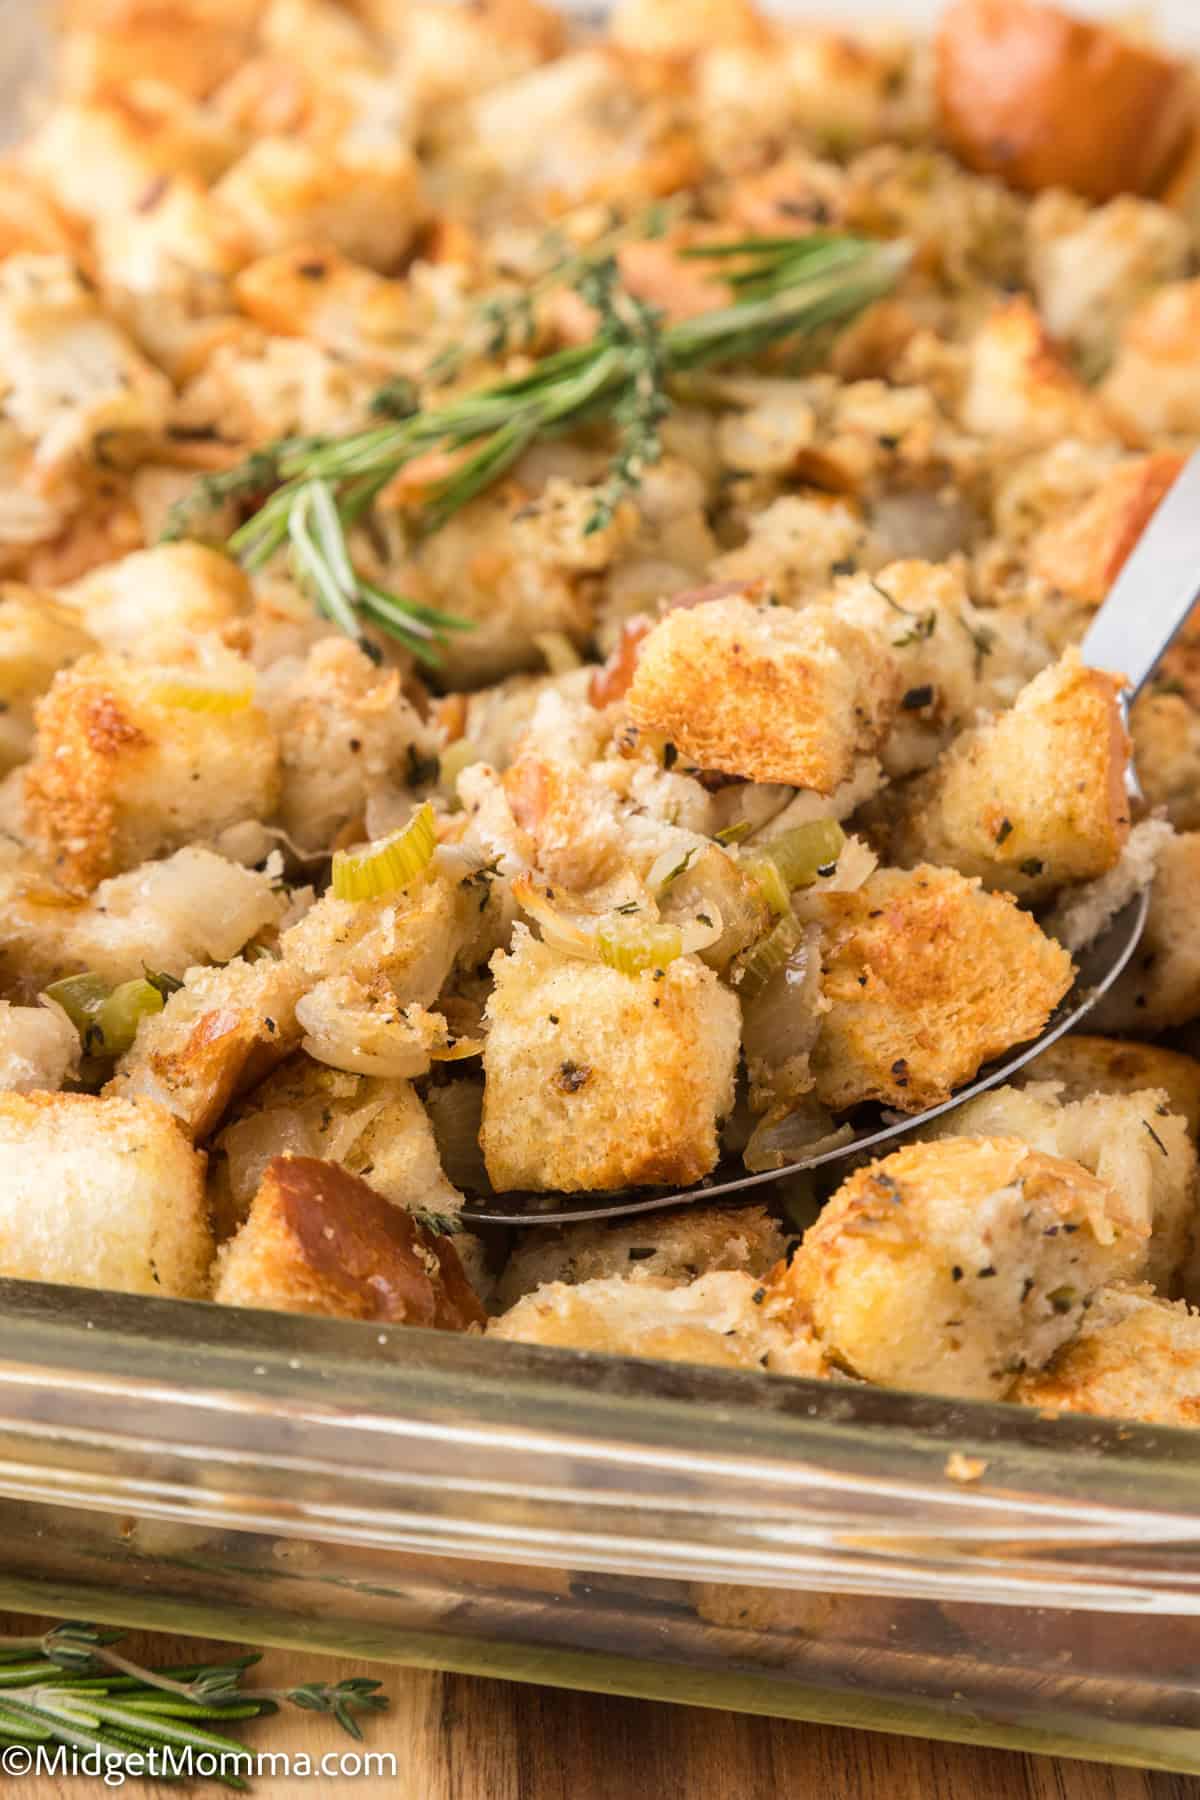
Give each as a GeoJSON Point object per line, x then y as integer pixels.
{"type": "Point", "coordinates": [1081, 1065]}
{"type": "Point", "coordinates": [152, 604]}
{"type": "Point", "coordinates": [674, 1246]}
{"type": "Point", "coordinates": [101, 1193]}
{"type": "Point", "coordinates": [1136, 1356]}
{"type": "Point", "coordinates": [728, 1319]}
{"type": "Point", "coordinates": [1153, 388]}
{"type": "Point", "coordinates": [1132, 1141]}
{"type": "Point", "coordinates": [951, 1267]}
{"type": "Point", "coordinates": [217, 1035]}
{"type": "Point", "coordinates": [1020, 391]}
{"type": "Point", "coordinates": [597, 1079]}
{"type": "Point", "coordinates": [1161, 986]}
{"type": "Point", "coordinates": [39, 1048]}
{"type": "Point", "coordinates": [38, 637]}
{"type": "Point", "coordinates": [126, 768]}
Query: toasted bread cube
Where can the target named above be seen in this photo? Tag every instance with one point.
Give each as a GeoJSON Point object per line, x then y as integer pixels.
{"type": "Point", "coordinates": [152, 604]}
{"type": "Point", "coordinates": [70, 374]}
{"type": "Point", "coordinates": [1153, 388]}
{"type": "Point", "coordinates": [1166, 746]}
{"type": "Point", "coordinates": [368, 1126]}
{"type": "Point", "coordinates": [1134, 1142]}
{"type": "Point", "coordinates": [310, 290]}
{"type": "Point", "coordinates": [597, 1079]}
{"type": "Point", "coordinates": [765, 693]}
{"type": "Point", "coordinates": [217, 1035]}
{"type": "Point", "coordinates": [1042, 98]}
{"type": "Point", "coordinates": [319, 1240]}
{"type": "Point", "coordinates": [367, 205]}
{"type": "Point", "coordinates": [795, 543]}
{"type": "Point", "coordinates": [101, 1193]}
{"type": "Point", "coordinates": [1032, 800]}
{"type": "Point", "coordinates": [187, 44]}
{"type": "Point", "coordinates": [728, 1318]}
{"type": "Point", "coordinates": [344, 728]}
{"type": "Point", "coordinates": [1091, 267]}
{"type": "Point", "coordinates": [683, 27]}
{"type": "Point", "coordinates": [927, 977]}
{"type": "Point", "coordinates": [1020, 390]}
{"type": "Point", "coordinates": [1082, 552]}
{"type": "Point", "coordinates": [1161, 986]}
{"type": "Point", "coordinates": [1136, 1356]}
{"type": "Point", "coordinates": [667, 1246]}
{"type": "Point", "coordinates": [39, 1048]}
{"type": "Point", "coordinates": [192, 907]}
{"type": "Point", "coordinates": [405, 943]}
{"type": "Point", "coordinates": [37, 638]}
{"type": "Point", "coordinates": [951, 1267]}
{"type": "Point", "coordinates": [1081, 1065]}
{"type": "Point", "coordinates": [127, 767]}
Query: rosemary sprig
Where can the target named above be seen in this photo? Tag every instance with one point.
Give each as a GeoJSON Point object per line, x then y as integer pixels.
{"type": "Point", "coordinates": [69, 1686]}
{"type": "Point", "coordinates": [782, 288]}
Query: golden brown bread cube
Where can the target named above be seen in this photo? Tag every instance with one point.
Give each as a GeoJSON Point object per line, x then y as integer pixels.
{"type": "Point", "coordinates": [1020, 390]}
{"type": "Point", "coordinates": [1161, 986]}
{"type": "Point", "coordinates": [684, 27]}
{"type": "Point", "coordinates": [38, 637]}
{"type": "Point", "coordinates": [1082, 551]}
{"type": "Point", "coordinates": [1152, 391]}
{"type": "Point", "coordinates": [926, 976]}
{"type": "Point", "coordinates": [1031, 800]}
{"type": "Point", "coordinates": [726, 1318]}
{"type": "Point", "coordinates": [152, 603]}
{"type": "Point", "coordinates": [598, 1079]}
{"type": "Point", "coordinates": [764, 692]}
{"type": "Point", "coordinates": [1133, 1142]}
{"type": "Point", "coordinates": [1081, 1065]}
{"type": "Point", "coordinates": [366, 204]}
{"type": "Point", "coordinates": [672, 1246]}
{"type": "Point", "coordinates": [319, 1240]}
{"type": "Point", "coordinates": [217, 1035]}
{"type": "Point", "coordinates": [1042, 98]}
{"type": "Point", "coordinates": [1135, 1356]}
{"type": "Point", "coordinates": [126, 766]}
{"type": "Point", "coordinates": [1166, 744]}
{"type": "Point", "coordinates": [101, 1193]}
{"type": "Point", "coordinates": [188, 44]}
{"type": "Point", "coordinates": [951, 1267]}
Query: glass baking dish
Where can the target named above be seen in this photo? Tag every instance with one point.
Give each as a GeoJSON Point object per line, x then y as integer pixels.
{"type": "Point", "coordinates": [778, 1546]}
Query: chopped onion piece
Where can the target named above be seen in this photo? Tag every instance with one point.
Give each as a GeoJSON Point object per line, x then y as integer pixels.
{"type": "Point", "coordinates": [557, 930]}
{"type": "Point", "coordinates": [453, 760]}
{"type": "Point", "coordinates": [388, 866]}
{"type": "Point", "coordinates": [560, 653]}
{"type": "Point", "coordinates": [459, 1051]}
{"type": "Point", "coordinates": [780, 1139]}
{"type": "Point", "coordinates": [760, 963]}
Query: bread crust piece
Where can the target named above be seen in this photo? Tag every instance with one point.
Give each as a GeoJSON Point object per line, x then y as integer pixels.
{"type": "Point", "coordinates": [673, 1246]}
{"type": "Point", "coordinates": [1043, 99]}
{"type": "Point", "coordinates": [949, 1267]}
{"type": "Point", "coordinates": [600, 1080]}
{"type": "Point", "coordinates": [1082, 553]}
{"type": "Point", "coordinates": [319, 1240]}
{"type": "Point", "coordinates": [1032, 800]}
{"type": "Point", "coordinates": [121, 772]}
{"type": "Point", "coordinates": [102, 1193]}
{"type": "Point", "coordinates": [1083, 1065]}
{"type": "Point", "coordinates": [222, 1031]}
{"type": "Point", "coordinates": [926, 976]}
{"type": "Point", "coordinates": [765, 693]}
{"type": "Point", "coordinates": [729, 1319]}
{"type": "Point", "coordinates": [1136, 1356]}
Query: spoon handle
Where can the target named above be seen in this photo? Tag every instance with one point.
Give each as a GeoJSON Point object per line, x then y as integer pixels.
{"type": "Point", "coordinates": [1155, 591]}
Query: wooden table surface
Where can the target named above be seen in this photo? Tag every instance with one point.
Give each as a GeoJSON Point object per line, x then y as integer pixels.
{"type": "Point", "coordinates": [458, 1738]}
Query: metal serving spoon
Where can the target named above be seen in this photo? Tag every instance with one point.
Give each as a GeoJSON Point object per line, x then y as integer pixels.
{"type": "Point", "coordinates": [1148, 604]}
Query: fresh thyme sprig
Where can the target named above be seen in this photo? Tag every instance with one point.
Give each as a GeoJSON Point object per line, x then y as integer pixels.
{"type": "Point", "coordinates": [69, 1686]}
{"type": "Point", "coordinates": [782, 288]}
